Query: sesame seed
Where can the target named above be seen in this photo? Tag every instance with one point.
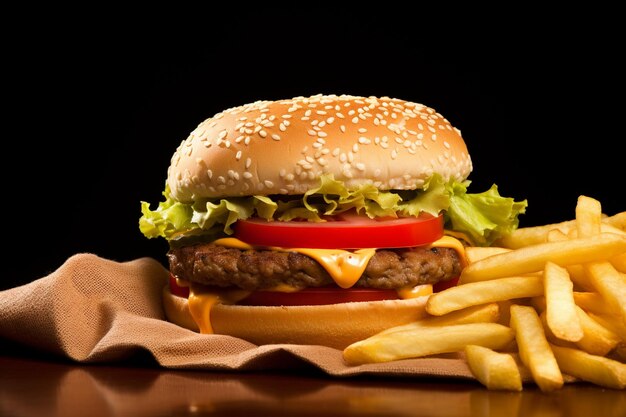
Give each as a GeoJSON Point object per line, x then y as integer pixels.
{"type": "Point", "coordinates": [362, 130]}
{"type": "Point", "coordinates": [247, 140]}
{"type": "Point", "coordinates": [355, 148]}
{"type": "Point", "coordinates": [336, 151]}
{"type": "Point", "coordinates": [340, 115]}
{"type": "Point", "coordinates": [268, 183]}
{"type": "Point", "coordinates": [209, 173]}
{"type": "Point", "coordinates": [355, 120]}
{"type": "Point", "coordinates": [238, 156]}
{"type": "Point", "coordinates": [446, 144]}
{"type": "Point", "coordinates": [322, 134]}
{"type": "Point", "coordinates": [360, 166]}
{"type": "Point", "coordinates": [262, 133]}
{"type": "Point", "coordinates": [342, 128]}
{"type": "Point", "coordinates": [394, 154]}
{"type": "Point", "coordinates": [311, 132]}
{"type": "Point", "coordinates": [275, 136]}
{"type": "Point", "coordinates": [330, 120]}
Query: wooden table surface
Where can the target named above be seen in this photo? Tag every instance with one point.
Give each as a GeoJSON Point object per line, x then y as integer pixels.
{"type": "Point", "coordinates": [35, 385]}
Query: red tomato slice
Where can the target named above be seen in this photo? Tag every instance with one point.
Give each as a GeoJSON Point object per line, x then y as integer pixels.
{"type": "Point", "coordinates": [317, 296]}
{"type": "Point", "coordinates": [177, 289]}
{"type": "Point", "coordinates": [345, 231]}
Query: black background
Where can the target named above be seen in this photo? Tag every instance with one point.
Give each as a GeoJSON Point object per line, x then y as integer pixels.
{"type": "Point", "coordinates": [97, 108]}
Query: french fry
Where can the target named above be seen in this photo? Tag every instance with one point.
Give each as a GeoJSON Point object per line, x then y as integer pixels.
{"type": "Point", "coordinates": [597, 369]}
{"type": "Point", "coordinates": [494, 370]}
{"type": "Point", "coordinates": [476, 253]}
{"type": "Point", "coordinates": [551, 337]}
{"type": "Point", "coordinates": [561, 314]}
{"type": "Point", "coordinates": [555, 235]}
{"type": "Point", "coordinates": [610, 284]}
{"type": "Point", "coordinates": [592, 302]}
{"type": "Point", "coordinates": [619, 262]}
{"type": "Point", "coordinates": [618, 221]}
{"type": "Point", "coordinates": [597, 339]}
{"type": "Point", "coordinates": [426, 341]}
{"type": "Point", "coordinates": [476, 293]}
{"type": "Point", "coordinates": [533, 258]}
{"type": "Point", "coordinates": [611, 323]}
{"type": "Point", "coordinates": [579, 277]}
{"type": "Point", "coordinates": [486, 313]}
{"type": "Point", "coordinates": [528, 236]}
{"type": "Point", "coordinates": [588, 216]}
{"type": "Point", "coordinates": [534, 349]}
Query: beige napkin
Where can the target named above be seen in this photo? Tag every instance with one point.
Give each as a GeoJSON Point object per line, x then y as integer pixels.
{"type": "Point", "coordinates": [96, 310]}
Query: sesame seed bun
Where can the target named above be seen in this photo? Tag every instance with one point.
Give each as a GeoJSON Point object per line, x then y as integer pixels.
{"type": "Point", "coordinates": [282, 147]}
{"type": "Point", "coordinates": [333, 325]}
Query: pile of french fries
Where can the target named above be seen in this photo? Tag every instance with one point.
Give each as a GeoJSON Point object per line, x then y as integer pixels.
{"type": "Point", "coordinates": [546, 301]}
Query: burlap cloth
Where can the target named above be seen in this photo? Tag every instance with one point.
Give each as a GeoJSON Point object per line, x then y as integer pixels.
{"type": "Point", "coordinates": [96, 310]}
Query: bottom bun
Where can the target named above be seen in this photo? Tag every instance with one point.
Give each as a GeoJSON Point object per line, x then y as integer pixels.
{"type": "Point", "coordinates": [333, 325]}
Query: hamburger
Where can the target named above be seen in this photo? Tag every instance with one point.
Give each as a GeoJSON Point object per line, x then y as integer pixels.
{"type": "Point", "coordinates": [318, 220]}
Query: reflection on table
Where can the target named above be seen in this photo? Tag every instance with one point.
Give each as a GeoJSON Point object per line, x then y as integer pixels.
{"type": "Point", "coordinates": [36, 387]}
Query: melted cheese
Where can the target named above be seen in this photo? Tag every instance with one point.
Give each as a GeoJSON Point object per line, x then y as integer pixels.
{"type": "Point", "coordinates": [450, 242]}
{"type": "Point", "coordinates": [201, 301]}
{"type": "Point", "coordinates": [414, 292]}
{"type": "Point", "coordinates": [345, 267]}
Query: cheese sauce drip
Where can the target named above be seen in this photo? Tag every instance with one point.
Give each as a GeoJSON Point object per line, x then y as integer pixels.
{"type": "Point", "coordinates": [201, 302]}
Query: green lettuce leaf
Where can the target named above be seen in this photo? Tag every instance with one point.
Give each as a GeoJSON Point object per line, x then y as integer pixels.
{"type": "Point", "coordinates": [482, 217]}
{"type": "Point", "coordinates": [170, 218]}
{"type": "Point", "coordinates": [485, 216]}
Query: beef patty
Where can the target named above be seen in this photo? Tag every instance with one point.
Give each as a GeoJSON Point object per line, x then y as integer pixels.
{"type": "Point", "coordinates": [263, 269]}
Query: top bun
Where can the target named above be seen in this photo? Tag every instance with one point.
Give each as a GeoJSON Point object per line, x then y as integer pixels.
{"type": "Point", "coordinates": [282, 147]}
